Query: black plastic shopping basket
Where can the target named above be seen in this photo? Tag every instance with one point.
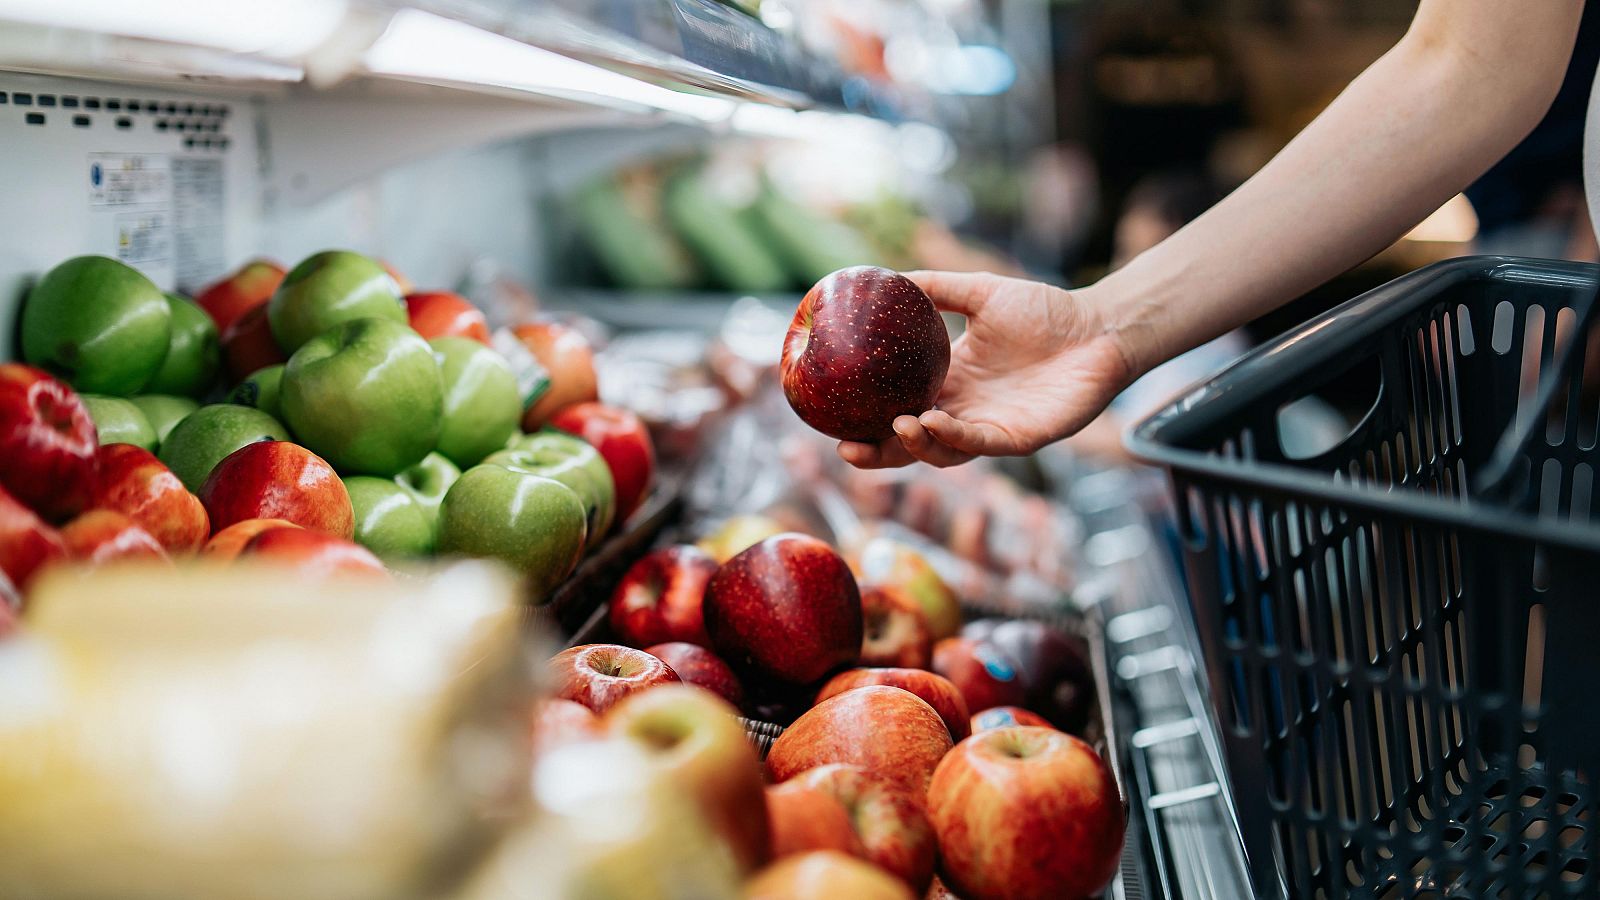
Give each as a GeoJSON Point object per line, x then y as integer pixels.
{"type": "Point", "coordinates": [1402, 632]}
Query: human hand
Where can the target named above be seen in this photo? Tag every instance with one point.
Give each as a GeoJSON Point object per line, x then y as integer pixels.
{"type": "Point", "coordinates": [1036, 364]}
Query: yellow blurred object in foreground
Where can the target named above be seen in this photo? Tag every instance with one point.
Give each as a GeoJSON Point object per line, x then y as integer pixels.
{"type": "Point", "coordinates": [243, 733]}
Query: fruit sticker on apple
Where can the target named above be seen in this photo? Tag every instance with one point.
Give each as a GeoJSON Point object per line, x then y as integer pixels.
{"type": "Point", "coordinates": [865, 346]}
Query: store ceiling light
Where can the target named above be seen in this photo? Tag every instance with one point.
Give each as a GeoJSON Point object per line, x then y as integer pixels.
{"type": "Point", "coordinates": [282, 29]}
{"type": "Point", "coordinates": [419, 45]}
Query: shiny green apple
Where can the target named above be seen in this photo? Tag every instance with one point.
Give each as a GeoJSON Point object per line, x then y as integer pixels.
{"type": "Point", "coordinates": [164, 412]}
{"type": "Point", "coordinates": [328, 289]}
{"type": "Point", "coordinates": [210, 433]}
{"type": "Point", "coordinates": [261, 390]}
{"type": "Point", "coordinates": [428, 481]}
{"type": "Point", "coordinates": [534, 524]}
{"type": "Point", "coordinates": [118, 421]}
{"type": "Point", "coordinates": [366, 396]}
{"type": "Point", "coordinates": [482, 405]}
{"type": "Point", "coordinates": [389, 521]}
{"type": "Point", "coordinates": [573, 462]}
{"type": "Point", "coordinates": [98, 324]}
{"type": "Point", "coordinates": [193, 351]}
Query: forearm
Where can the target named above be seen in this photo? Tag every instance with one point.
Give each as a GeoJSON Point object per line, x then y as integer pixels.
{"type": "Point", "coordinates": [1415, 129]}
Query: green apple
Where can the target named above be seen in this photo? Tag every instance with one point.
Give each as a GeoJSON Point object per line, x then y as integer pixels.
{"type": "Point", "coordinates": [389, 521]}
{"type": "Point", "coordinates": [98, 324]}
{"type": "Point", "coordinates": [328, 289]}
{"type": "Point", "coordinates": [532, 523]}
{"type": "Point", "coordinates": [118, 421]}
{"type": "Point", "coordinates": [366, 396]}
{"type": "Point", "coordinates": [193, 351]}
{"type": "Point", "coordinates": [261, 390]}
{"type": "Point", "coordinates": [482, 405]}
{"type": "Point", "coordinates": [209, 434]}
{"type": "Point", "coordinates": [429, 480]}
{"type": "Point", "coordinates": [164, 412]}
{"type": "Point", "coordinates": [573, 462]}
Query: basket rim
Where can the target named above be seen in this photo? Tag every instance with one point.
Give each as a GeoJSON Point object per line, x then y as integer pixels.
{"type": "Point", "coordinates": [1319, 341]}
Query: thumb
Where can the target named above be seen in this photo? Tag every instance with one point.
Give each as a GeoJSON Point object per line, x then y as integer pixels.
{"type": "Point", "coordinates": [957, 292]}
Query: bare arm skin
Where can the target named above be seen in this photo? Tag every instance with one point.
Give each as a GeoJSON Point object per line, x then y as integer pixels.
{"type": "Point", "coordinates": [1468, 81]}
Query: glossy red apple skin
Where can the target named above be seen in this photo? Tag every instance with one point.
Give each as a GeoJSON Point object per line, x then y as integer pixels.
{"type": "Point", "coordinates": [315, 553]}
{"type": "Point", "coordinates": [435, 314]}
{"type": "Point", "coordinates": [557, 722]}
{"type": "Point", "coordinates": [890, 819]}
{"type": "Point", "coordinates": [244, 290]}
{"type": "Point", "coordinates": [248, 345]}
{"type": "Point", "coordinates": [600, 675]}
{"type": "Point", "coordinates": [700, 667]}
{"type": "Point", "coordinates": [624, 443]}
{"type": "Point", "coordinates": [1026, 814]}
{"type": "Point", "coordinates": [565, 353]}
{"type": "Point", "coordinates": [100, 536]}
{"type": "Point", "coordinates": [1007, 717]}
{"type": "Point", "coordinates": [985, 676]}
{"type": "Point", "coordinates": [47, 443]}
{"type": "Point", "coordinates": [27, 542]}
{"type": "Point", "coordinates": [935, 690]}
{"type": "Point", "coordinates": [886, 730]}
{"type": "Point", "coordinates": [135, 483]}
{"type": "Point", "coordinates": [896, 630]}
{"type": "Point", "coordinates": [865, 346]}
{"type": "Point", "coordinates": [278, 480]}
{"type": "Point", "coordinates": [229, 542]}
{"type": "Point", "coordinates": [1057, 680]}
{"type": "Point", "coordinates": [802, 818]}
{"type": "Point", "coordinates": [659, 598]}
{"type": "Point", "coordinates": [785, 609]}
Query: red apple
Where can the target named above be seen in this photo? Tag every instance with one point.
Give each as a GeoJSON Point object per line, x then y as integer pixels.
{"type": "Point", "coordinates": [566, 355]}
{"type": "Point", "coordinates": [865, 346]}
{"type": "Point", "coordinates": [785, 609]}
{"type": "Point", "coordinates": [133, 482]}
{"type": "Point", "coordinates": [240, 292]}
{"type": "Point", "coordinates": [803, 818]}
{"type": "Point", "coordinates": [888, 817]}
{"type": "Point", "coordinates": [278, 480]}
{"type": "Point", "coordinates": [47, 442]}
{"type": "Point", "coordinates": [248, 345]}
{"type": "Point", "coordinates": [659, 598]}
{"type": "Point", "coordinates": [1007, 717]}
{"type": "Point", "coordinates": [886, 561]}
{"type": "Point", "coordinates": [700, 667]}
{"type": "Point", "coordinates": [895, 630]}
{"type": "Point", "coordinates": [315, 552]}
{"type": "Point", "coordinates": [885, 730]}
{"type": "Point", "coordinates": [824, 875]}
{"type": "Point", "coordinates": [623, 442]}
{"type": "Point", "coordinates": [401, 282]}
{"type": "Point", "coordinates": [27, 542]}
{"type": "Point", "coordinates": [100, 536]}
{"type": "Point", "coordinates": [935, 690]}
{"type": "Point", "coordinates": [695, 738]}
{"type": "Point", "coordinates": [557, 722]}
{"type": "Point", "coordinates": [1052, 665]}
{"type": "Point", "coordinates": [8, 613]}
{"type": "Point", "coordinates": [600, 675]}
{"type": "Point", "coordinates": [939, 891]}
{"type": "Point", "coordinates": [229, 542]}
{"type": "Point", "coordinates": [1025, 813]}
{"type": "Point", "coordinates": [437, 314]}
{"type": "Point", "coordinates": [986, 676]}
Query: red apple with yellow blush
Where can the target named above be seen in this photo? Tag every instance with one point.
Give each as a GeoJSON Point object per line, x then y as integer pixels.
{"type": "Point", "coordinates": [885, 730]}
{"type": "Point", "coordinates": [101, 536]}
{"type": "Point", "coordinates": [316, 553]}
{"type": "Point", "coordinates": [229, 542]}
{"type": "Point", "coordinates": [600, 675]}
{"type": "Point", "coordinates": [249, 287]}
{"type": "Point", "coordinates": [133, 482]}
{"type": "Point", "coordinates": [895, 629]}
{"type": "Point", "coordinates": [436, 314]}
{"type": "Point", "coordinates": [935, 690]}
{"type": "Point", "coordinates": [278, 480]}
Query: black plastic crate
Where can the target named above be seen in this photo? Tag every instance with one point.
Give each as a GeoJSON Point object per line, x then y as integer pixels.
{"type": "Point", "coordinates": [1402, 632]}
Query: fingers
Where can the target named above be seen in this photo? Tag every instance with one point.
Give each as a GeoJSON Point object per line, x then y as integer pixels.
{"type": "Point", "coordinates": [925, 446]}
{"type": "Point", "coordinates": [957, 292]}
{"type": "Point", "coordinates": [887, 455]}
{"type": "Point", "coordinates": [969, 438]}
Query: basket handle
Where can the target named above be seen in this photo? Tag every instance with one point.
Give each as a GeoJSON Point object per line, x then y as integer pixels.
{"type": "Point", "coordinates": [1498, 480]}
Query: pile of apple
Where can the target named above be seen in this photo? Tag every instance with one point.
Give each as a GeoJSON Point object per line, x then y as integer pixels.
{"type": "Point", "coordinates": [357, 425]}
{"type": "Point", "coordinates": [923, 748]}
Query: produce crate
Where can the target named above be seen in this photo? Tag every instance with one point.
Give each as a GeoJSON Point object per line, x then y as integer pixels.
{"type": "Point", "coordinates": [1400, 630]}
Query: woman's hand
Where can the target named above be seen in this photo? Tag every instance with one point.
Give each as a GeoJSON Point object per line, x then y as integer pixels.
{"type": "Point", "coordinates": [1036, 364]}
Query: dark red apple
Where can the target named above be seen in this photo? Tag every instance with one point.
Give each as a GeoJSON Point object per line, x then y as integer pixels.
{"type": "Point", "coordinates": [659, 599]}
{"type": "Point", "coordinates": [315, 552]}
{"type": "Point", "coordinates": [985, 675]}
{"type": "Point", "coordinates": [935, 690]}
{"type": "Point", "coordinates": [100, 536]}
{"type": "Point", "coordinates": [895, 629]}
{"type": "Point", "coordinates": [1053, 666]}
{"type": "Point", "coordinates": [47, 443]}
{"type": "Point", "coordinates": [1026, 814]}
{"type": "Point", "coordinates": [865, 346]}
{"type": "Point", "coordinates": [278, 480]}
{"type": "Point", "coordinates": [700, 667]}
{"type": "Point", "coordinates": [1007, 717]}
{"type": "Point", "coordinates": [785, 609]}
{"type": "Point", "coordinates": [248, 344]}
{"type": "Point", "coordinates": [886, 730]}
{"type": "Point", "coordinates": [600, 675]}
{"type": "Point", "coordinates": [436, 314]}
{"type": "Point", "coordinates": [624, 443]}
{"type": "Point", "coordinates": [133, 482]}
{"type": "Point", "coordinates": [27, 542]}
